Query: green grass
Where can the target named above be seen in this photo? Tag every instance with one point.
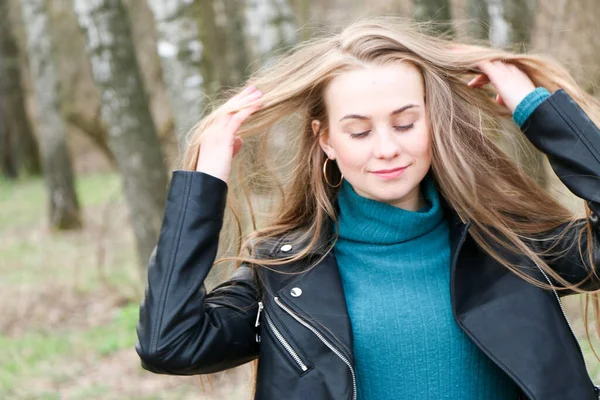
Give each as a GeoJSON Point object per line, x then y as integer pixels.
{"type": "Point", "coordinates": [71, 299]}
{"type": "Point", "coordinates": [29, 355]}
{"type": "Point", "coordinates": [25, 201]}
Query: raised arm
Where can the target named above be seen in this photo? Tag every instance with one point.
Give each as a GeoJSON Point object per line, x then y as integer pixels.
{"type": "Point", "coordinates": [182, 329]}
{"type": "Point", "coordinates": [558, 127]}
{"type": "Point", "coordinates": [561, 129]}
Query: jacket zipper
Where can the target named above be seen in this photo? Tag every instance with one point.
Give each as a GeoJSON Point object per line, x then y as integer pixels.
{"type": "Point", "coordinates": [325, 342]}
{"type": "Point", "coordinates": [286, 345]}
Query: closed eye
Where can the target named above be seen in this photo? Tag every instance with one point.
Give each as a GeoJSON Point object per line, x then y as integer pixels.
{"type": "Point", "coordinates": [403, 128]}
{"type": "Point", "coordinates": [400, 128]}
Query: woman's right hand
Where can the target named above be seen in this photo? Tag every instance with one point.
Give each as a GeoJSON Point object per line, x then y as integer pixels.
{"type": "Point", "coordinates": [220, 142]}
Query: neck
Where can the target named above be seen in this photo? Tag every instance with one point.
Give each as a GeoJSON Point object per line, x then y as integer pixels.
{"type": "Point", "coordinates": [413, 201]}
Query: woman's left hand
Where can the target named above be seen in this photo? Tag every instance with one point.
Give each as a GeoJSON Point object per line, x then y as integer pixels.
{"type": "Point", "coordinates": [510, 82]}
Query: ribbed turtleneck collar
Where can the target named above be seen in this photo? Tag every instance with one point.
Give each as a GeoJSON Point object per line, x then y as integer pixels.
{"type": "Point", "coordinates": [370, 221]}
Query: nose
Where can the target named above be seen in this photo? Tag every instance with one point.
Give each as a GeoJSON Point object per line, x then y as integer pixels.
{"type": "Point", "coordinates": [386, 145]}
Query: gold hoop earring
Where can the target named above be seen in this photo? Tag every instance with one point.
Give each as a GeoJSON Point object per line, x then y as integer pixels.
{"type": "Point", "coordinates": [325, 175]}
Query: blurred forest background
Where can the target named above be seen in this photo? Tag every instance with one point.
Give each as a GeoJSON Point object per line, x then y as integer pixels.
{"type": "Point", "coordinates": [96, 97]}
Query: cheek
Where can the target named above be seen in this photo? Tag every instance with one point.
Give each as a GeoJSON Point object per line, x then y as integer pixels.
{"type": "Point", "coordinates": [420, 145]}
{"type": "Point", "coordinates": [351, 154]}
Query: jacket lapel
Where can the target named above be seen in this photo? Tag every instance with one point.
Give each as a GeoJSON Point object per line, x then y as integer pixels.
{"type": "Point", "coordinates": [318, 297]}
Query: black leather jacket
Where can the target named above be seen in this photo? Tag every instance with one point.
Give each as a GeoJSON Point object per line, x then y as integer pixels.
{"type": "Point", "coordinates": [298, 325]}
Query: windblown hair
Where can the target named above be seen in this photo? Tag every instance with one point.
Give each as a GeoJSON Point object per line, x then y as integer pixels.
{"type": "Point", "coordinates": [283, 162]}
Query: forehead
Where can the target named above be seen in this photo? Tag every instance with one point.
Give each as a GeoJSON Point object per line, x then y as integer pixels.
{"type": "Point", "coordinates": [374, 88]}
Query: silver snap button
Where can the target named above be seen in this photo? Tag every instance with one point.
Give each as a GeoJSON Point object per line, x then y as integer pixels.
{"type": "Point", "coordinates": [296, 292]}
{"type": "Point", "coordinates": [286, 247]}
{"type": "Point", "coordinates": [593, 218]}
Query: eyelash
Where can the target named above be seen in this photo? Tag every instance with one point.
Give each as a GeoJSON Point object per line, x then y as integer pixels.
{"type": "Point", "coordinates": [402, 128]}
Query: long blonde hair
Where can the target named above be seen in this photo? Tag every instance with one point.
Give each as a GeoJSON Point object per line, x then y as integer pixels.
{"type": "Point", "coordinates": [465, 123]}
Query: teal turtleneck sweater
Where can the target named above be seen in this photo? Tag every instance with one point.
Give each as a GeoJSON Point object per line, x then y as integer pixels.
{"type": "Point", "coordinates": [395, 269]}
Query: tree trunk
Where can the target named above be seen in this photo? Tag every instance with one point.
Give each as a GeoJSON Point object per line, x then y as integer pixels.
{"type": "Point", "coordinates": [437, 11]}
{"type": "Point", "coordinates": [271, 26]}
{"type": "Point", "coordinates": [21, 150]}
{"type": "Point", "coordinates": [479, 19]}
{"type": "Point", "coordinates": [234, 30]}
{"type": "Point", "coordinates": [214, 62]}
{"type": "Point", "coordinates": [58, 172]}
{"type": "Point", "coordinates": [79, 96]}
{"type": "Point", "coordinates": [145, 41]}
{"type": "Point", "coordinates": [125, 106]}
{"type": "Point", "coordinates": [520, 16]}
{"type": "Point", "coordinates": [226, 53]}
{"type": "Point", "coordinates": [180, 50]}
{"type": "Point", "coordinates": [8, 163]}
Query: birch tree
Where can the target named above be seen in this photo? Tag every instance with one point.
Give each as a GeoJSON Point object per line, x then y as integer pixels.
{"type": "Point", "coordinates": [125, 106]}
{"type": "Point", "coordinates": [479, 25]}
{"type": "Point", "coordinates": [144, 36]}
{"type": "Point", "coordinates": [20, 150]}
{"type": "Point", "coordinates": [58, 172]}
{"type": "Point", "coordinates": [271, 26]}
{"type": "Point", "coordinates": [181, 50]}
{"type": "Point", "coordinates": [79, 96]}
{"type": "Point", "coordinates": [8, 165]}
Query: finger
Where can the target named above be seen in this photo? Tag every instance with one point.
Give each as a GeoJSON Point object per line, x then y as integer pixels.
{"type": "Point", "coordinates": [479, 81]}
{"type": "Point", "coordinates": [238, 118]}
{"type": "Point", "coordinates": [500, 101]}
{"type": "Point", "coordinates": [489, 69]}
{"type": "Point", "coordinates": [244, 102]}
{"type": "Point", "coordinates": [237, 145]}
{"type": "Point", "coordinates": [496, 72]}
{"type": "Point", "coordinates": [232, 108]}
{"type": "Point", "coordinates": [248, 90]}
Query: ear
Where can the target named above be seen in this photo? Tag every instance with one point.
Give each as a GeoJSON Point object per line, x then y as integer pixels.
{"type": "Point", "coordinates": [323, 139]}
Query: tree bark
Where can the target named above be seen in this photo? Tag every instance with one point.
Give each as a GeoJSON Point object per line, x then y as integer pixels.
{"type": "Point", "coordinates": [7, 162]}
{"type": "Point", "coordinates": [20, 150]}
{"type": "Point", "coordinates": [79, 96]}
{"type": "Point", "coordinates": [479, 26]}
{"type": "Point", "coordinates": [214, 63]}
{"type": "Point", "coordinates": [437, 11]}
{"type": "Point", "coordinates": [271, 26]}
{"type": "Point", "coordinates": [145, 41]}
{"type": "Point", "coordinates": [520, 15]}
{"type": "Point", "coordinates": [180, 49]}
{"type": "Point", "coordinates": [58, 172]}
{"type": "Point", "coordinates": [125, 106]}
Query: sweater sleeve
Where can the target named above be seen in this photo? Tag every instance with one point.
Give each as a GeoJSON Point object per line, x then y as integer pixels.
{"type": "Point", "coordinates": [526, 107]}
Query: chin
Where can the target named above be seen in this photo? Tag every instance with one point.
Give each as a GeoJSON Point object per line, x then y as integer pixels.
{"type": "Point", "coordinates": [387, 196]}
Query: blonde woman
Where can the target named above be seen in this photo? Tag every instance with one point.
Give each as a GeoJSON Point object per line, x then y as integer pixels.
{"type": "Point", "coordinates": [408, 256]}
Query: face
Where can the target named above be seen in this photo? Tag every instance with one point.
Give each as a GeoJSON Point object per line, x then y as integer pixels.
{"type": "Point", "coordinates": [378, 132]}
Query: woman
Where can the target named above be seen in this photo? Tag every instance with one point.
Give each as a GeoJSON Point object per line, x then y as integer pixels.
{"type": "Point", "coordinates": [409, 257]}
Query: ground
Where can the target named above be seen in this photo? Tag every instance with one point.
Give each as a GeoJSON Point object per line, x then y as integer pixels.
{"type": "Point", "coordinates": [70, 304]}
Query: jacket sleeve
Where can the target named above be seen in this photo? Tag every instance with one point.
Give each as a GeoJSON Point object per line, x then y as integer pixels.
{"type": "Point", "coordinates": [561, 129]}
{"type": "Point", "coordinates": [182, 330]}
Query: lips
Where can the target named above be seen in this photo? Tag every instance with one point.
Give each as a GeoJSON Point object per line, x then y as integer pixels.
{"type": "Point", "coordinates": [388, 171]}
{"type": "Point", "coordinates": [388, 174]}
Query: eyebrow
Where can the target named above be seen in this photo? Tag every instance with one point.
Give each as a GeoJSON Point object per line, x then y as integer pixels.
{"type": "Point", "coordinates": [398, 111]}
